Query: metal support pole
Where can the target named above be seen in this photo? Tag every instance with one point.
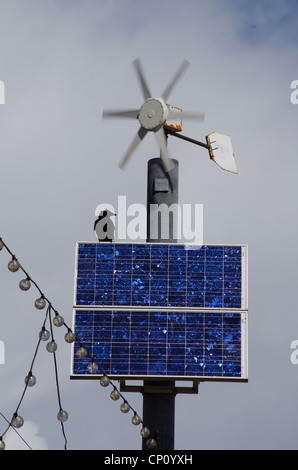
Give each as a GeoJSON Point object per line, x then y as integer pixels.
{"type": "Point", "coordinates": [159, 408]}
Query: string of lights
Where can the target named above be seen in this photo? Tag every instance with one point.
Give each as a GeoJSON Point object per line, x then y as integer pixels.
{"type": "Point", "coordinates": [93, 367]}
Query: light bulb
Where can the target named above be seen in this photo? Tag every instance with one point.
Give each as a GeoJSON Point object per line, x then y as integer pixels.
{"type": "Point", "coordinates": [92, 367]}
{"type": "Point", "coordinates": [25, 284]}
{"type": "Point", "coordinates": [44, 335]}
{"type": "Point", "coordinates": [13, 265]}
{"type": "Point", "coordinates": [81, 352]}
{"type": "Point", "coordinates": [115, 395]}
{"type": "Point", "coordinates": [2, 444]}
{"type": "Point", "coordinates": [104, 381]}
{"type": "Point", "coordinates": [17, 421]}
{"type": "Point", "coordinates": [51, 346]}
{"type": "Point", "coordinates": [151, 443]}
{"type": "Point", "coordinates": [136, 420]}
{"type": "Point", "coordinates": [30, 380]}
{"type": "Point", "coordinates": [62, 416]}
{"type": "Point", "coordinates": [40, 303]}
{"type": "Point", "coordinates": [58, 320]}
{"type": "Point", "coordinates": [69, 337]}
{"type": "Point", "coordinates": [145, 432]}
{"type": "Point", "coordinates": [125, 407]}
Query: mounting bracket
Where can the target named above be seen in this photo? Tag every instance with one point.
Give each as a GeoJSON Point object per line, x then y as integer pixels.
{"type": "Point", "coordinates": [124, 387]}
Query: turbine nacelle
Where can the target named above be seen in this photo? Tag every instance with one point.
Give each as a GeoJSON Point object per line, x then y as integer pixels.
{"type": "Point", "coordinates": [153, 114]}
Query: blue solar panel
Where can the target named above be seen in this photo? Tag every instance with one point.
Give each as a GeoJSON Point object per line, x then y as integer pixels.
{"type": "Point", "coordinates": [158, 343]}
{"type": "Point", "coordinates": [161, 310]}
{"type": "Point", "coordinates": [159, 275]}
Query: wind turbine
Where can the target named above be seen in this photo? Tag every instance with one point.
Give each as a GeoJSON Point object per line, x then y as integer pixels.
{"type": "Point", "coordinates": [153, 115]}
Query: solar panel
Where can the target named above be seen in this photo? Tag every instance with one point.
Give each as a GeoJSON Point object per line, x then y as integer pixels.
{"type": "Point", "coordinates": [154, 309]}
{"type": "Point", "coordinates": [158, 343]}
{"type": "Point", "coordinates": [160, 275]}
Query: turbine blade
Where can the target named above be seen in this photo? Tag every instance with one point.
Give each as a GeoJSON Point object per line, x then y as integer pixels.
{"type": "Point", "coordinates": [162, 142]}
{"type": "Point", "coordinates": [175, 79]}
{"type": "Point", "coordinates": [141, 76]}
{"type": "Point", "coordinates": [118, 113]}
{"type": "Point", "coordinates": [186, 115]}
{"type": "Point", "coordinates": [140, 135]}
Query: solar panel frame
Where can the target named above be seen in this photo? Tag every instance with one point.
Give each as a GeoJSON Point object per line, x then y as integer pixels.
{"type": "Point", "coordinates": [125, 372]}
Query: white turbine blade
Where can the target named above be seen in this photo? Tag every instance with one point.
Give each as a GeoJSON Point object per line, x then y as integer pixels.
{"type": "Point", "coordinates": [142, 79]}
{"type": "Point", "coordinates": [186, 115]}
{"type": "Point", "coordinates": [162, 142]}
{"type": "Point", "coordinates": [140, 135]}
{"type": "Point", "coordinates": [175, 79]}
{"type": "Point", "coordinates": [193, 116]}
{"type": "Point", "coordinates": [120, 113]}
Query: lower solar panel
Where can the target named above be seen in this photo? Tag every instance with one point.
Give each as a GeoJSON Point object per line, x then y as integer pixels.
{"type": "Point", "coordinates": [138, 344]}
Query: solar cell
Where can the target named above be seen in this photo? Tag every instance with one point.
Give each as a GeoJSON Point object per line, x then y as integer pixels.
{"type": "Point", "coordinates": [161, 310]}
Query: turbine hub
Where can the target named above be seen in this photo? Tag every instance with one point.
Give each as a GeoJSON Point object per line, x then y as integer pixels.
{"type": "Point", "coordinates": [153, 114]}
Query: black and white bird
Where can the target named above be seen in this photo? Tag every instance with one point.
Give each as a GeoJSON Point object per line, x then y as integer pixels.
{"type": "Point", "coordinates": [104, 227]}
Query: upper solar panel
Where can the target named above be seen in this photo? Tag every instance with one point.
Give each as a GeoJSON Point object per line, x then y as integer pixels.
{"type": "Point", "coordinates": [160, 275]}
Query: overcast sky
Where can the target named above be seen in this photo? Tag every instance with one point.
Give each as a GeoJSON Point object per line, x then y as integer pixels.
{"type": "Point", "coordinates": [62, 63]}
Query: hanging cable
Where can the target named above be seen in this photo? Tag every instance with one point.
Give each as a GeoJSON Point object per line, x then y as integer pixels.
{"type": "Point", "coordinates": [9, 425]}
{"type": "Point", "coordinates": [29, 376]}
{"type": "Point", "coordinates": [62, 414]}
